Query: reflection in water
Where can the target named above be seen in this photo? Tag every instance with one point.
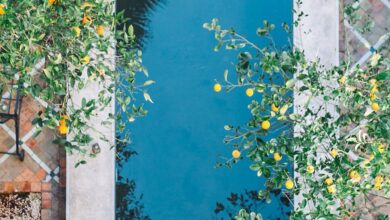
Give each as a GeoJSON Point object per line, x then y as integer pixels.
{"type": "Point", "coordinates": [128, 204]}
{"type": "Point", "coordinates": [250, 201]}
{"type": "Point", "coordinates": [137, 11]}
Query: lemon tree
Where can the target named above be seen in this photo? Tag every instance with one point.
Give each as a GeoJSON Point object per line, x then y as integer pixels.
{"type": "Point", "coordinates": [53, 47]}
{"type": "Point", "coordinates": [338, 143]}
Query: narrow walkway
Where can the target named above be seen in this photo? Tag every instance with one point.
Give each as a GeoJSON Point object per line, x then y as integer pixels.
{"type": "Point", "coordinates": [43, 165]}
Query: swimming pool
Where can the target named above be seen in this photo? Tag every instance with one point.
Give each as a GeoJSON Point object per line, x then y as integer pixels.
{"type": "Point", "coordinates": [180, 140]}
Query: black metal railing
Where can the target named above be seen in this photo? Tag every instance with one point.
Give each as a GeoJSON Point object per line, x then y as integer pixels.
{"type": "Point", "coordinates": [10, 108]}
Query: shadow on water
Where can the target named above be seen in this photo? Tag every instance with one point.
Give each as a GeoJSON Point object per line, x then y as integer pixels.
{"type": "Point", "coordinates": [250, 201]}
{"type": "Point", "coordinates": [128, 204]}
{"type": "Point", "coordinates": [137, 12]}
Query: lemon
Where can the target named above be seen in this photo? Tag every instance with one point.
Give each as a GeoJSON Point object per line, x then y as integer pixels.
{"type": "Point", "coordinates": [100, 30]}
{"type": "Point", "coordinates": [236, 154]}
{"type": "Point", "coordinates": [343, 79]}
{"type": "Point", "coordinates": [249, 92]}
{"type": "Point", "coordinates": [379, 179]}
{"type": "Point", "coordinates": [274, 108]}
{"type": "Point", "coordinates": [277, 156]}
{"type": "Point", "coordinates": [381, 148]}
{"type": "Point", "coordinates": [265, 125]}
{"type": "Point", "coordinates": [329, 181]}
{"type": "Point", "coordinates": [2, 11]}
{"type": "Point", "coordinates": [86, 59]}
{"type": "Point", "coordinates": [355, 176]}
{"type": "Point", "coordinates": [217, 87]}
{"type": "Point", "coordinates": [378, 186]}
{"type": "Point", "coordinates": [86, 4]}
{"type": "Point", "coordinates": [334, 153]}
{"type": "Point", "coordinates": [86, 19]}
{"type": "Point", "coordinates": [373, 82]}
{"type": "Point", "coordinates": [375, 106]}
{"type": "Point", "coordinates": [310, 169]}
{"type": "Point", "coordinates": [63, 129]}
{"type": "Point", "coordinates": [332, 189]}
{"type": "Point", "coordinates": [77, 31]}
{"type": "Point", "coordinates": [289, 184]}
{"type": "Point", "coordinates": [51, 2]}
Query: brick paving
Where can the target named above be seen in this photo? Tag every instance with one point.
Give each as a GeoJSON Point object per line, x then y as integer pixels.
{"type": "Point", "coordinates": [43, 169]}
{"type": "Point", "coordinates": [361, 46]}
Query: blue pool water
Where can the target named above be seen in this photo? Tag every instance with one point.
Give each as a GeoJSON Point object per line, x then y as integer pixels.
{"type": "Point", "coordinates": [180, 140]}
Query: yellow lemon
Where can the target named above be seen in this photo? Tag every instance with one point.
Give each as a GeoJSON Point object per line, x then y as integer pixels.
{"type": "Point", "coordinates": [249, 92]}
{"type": "Point", "coordinates": [375, 106]}
{"type": "Point", "coordinates": [63, 129]}
{"type": "Point", "coordinates": [332, 189]}
{"type": "Point", "coordinates": [373, 82]}
{"type": "Point", "coordinates": [77, 31]}
{"type": "Point", "coordinates": [381, 148]}
{"type": "Point", "coordinates": [373, 95]}
{"type": "Point", "coordinates": [378, 186]}
{"type": "Point", "coordinates": [62, 122]}
{"type": "Point", "coordinates": [236, 154]}
{"type": "Point", "coordinates": [329, 181]}
{"type": "Point", "coordinates": [51, 2]}
{"type": "Point", "coordinates": [265, 125]}
{"type": "Point", "coordinates": [2, 11]}
{"type": "Point", "coordinates": [86, 19]}
{"type": "Point", "coordinates": [274, 108]}
{"type": "Point", "coordinates": [86, 4]}
{"type": "Point", "coordinates": [100, 30]}
{"type": "Point", "coordinates": [217, 87]}
{"type": "Point", "coordinates": [379, 179]}
{"type": "Point", "coordinates": [355, 176]}
{"type": "Point", "coordinates": [343, 79]}
{"type": "Point", "coordinates": [277, 156]}
{"type": "Point", "coordinates": [334, 153]}
{"type": "Point", "coordinates": [289, 184]}
{"type": "Point", "coordinates": [85, 60]}
{"type": "Point", "coordinates": [310, 169]}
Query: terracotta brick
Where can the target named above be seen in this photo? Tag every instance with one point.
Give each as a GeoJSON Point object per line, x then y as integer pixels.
{"type": "Point", "coordinates": [22, 186]}
{"type": "Point", "coordinates": [9, 187]}
{"type": "Point", "coordinates": [31, 143]}
{"type": "Point", "coordinates": [2, 184]}
{"type": "Point", "coordinates": [46, 187]}
{"type": "Point", "coordinates": [41, 174]}
{"type": "Point", "coordinates": [63, 162]}
{"type": "Point", "coordinates": [46, 196]}
{"type": "Point", "coordinates": [46, 204]}
{"type": "Point", "coordinates": [36, 187]}
{"type": "Point", "coordinates": [45, 214]}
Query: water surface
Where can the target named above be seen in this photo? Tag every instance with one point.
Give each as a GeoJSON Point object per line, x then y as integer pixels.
{"type": "Point", "coordinates": [180, 140]}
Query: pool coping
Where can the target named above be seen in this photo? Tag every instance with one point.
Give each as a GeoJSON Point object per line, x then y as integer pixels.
{"type": "Point", "coordinates": [319, 37]}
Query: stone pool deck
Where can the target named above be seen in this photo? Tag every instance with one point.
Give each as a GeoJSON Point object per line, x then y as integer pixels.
{"type": "Point", "coordinates": [43, 169]}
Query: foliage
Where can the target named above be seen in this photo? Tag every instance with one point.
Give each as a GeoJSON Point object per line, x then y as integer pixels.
{"type": "Point", "coordinates": [249, 200]}
{"type": "Point", "coordinates": [55, 48]}
{"type": "Point", "coordinates": [337, 138]}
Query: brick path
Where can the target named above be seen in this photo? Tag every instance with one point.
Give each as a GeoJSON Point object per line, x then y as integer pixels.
{"type": "Point", "coordinates": [43, 169]}
{"type": "Point", "coordinates": [361, 46]}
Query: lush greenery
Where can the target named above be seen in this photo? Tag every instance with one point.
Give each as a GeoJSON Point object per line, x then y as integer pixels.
{"type": "Point", "coordinates": [337, 137]}
{"type": "Point", "coordinates": [55, 48]}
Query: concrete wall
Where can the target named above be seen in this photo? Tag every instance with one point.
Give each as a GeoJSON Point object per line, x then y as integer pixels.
{"type": "Point", "coordinates": [318, 36]}
{"type": "Point", "coordinates": [90, 188]}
